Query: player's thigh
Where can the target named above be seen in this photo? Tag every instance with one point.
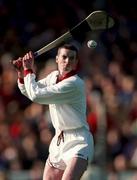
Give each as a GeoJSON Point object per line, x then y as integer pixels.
{"type": "Point", "coordinates": [75, 169]}
{"type": "Point", "coordinates": [51, 173]}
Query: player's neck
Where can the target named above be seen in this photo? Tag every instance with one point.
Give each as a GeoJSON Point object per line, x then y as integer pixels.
{"type": "Point", "coordinates": [66, 75]}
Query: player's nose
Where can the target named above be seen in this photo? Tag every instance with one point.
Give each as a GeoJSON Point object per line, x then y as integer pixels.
{"type": "Point", "coordinates": [67, 60]}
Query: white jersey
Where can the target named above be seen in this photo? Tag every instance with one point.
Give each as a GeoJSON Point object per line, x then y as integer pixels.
{"type": "Point", "coordinates": [66, 99]}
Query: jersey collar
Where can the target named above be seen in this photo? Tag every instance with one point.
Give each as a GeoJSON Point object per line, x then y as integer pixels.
{"type": "Point", "coordinates": [71, 73]}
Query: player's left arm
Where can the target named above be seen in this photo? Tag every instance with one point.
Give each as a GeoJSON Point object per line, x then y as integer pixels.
{"type": "Point", "coordinates": [66, 91]}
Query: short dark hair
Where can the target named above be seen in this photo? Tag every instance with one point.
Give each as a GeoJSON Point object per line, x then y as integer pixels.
{"type": "Point", "coordinates": [69, 46]}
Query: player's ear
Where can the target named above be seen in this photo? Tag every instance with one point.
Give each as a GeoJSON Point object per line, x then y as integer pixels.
{"type": "Point", "coordinates": [56, 59]}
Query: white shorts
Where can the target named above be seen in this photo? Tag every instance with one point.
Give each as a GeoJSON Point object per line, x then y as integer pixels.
{"type": "Point", "coordinates": [74, 143]}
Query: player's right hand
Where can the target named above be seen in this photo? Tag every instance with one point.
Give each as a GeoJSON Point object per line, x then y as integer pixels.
{"type": "Point", "coordinates": [28, 61]}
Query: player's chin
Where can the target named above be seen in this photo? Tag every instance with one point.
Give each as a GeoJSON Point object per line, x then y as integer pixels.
{"type": "Point", "coordinates": [67, 69]}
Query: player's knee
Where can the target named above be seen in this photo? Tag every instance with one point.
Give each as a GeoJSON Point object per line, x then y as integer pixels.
{"type": "Point", "coordinates": [52, 174]}
{"type": "Point", "coordinates": [73, 176]}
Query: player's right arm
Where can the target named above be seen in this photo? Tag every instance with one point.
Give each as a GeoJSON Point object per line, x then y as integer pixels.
{"type": "Point", "coordinates": [19, 68]}
{"type": "Point", "coordinates": [20, 73]}
{"type": "Point", "coordinates": [41, 83]}
{"type": "Point", "coordinates": [18, 65]}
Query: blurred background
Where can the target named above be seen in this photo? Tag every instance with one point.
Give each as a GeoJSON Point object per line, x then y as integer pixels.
{"type": "Point", "coordinates": [109, 72]}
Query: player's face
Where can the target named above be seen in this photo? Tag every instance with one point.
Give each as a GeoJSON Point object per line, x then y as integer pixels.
{"type": "Point", "coordinates": [66, 60]}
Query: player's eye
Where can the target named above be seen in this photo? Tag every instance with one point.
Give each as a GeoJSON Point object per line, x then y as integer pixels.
{"type": "Point", "coordinates": [64, 57]}
{"type": "Point", "coordinates": [71, 57]}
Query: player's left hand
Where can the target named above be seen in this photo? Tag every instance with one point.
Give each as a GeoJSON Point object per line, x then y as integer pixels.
{"type": "Point", "coordinates": [17, 64]}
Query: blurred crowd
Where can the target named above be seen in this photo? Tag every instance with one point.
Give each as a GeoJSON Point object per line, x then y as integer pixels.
{"type": "Point", "coordinates": [109, 72]}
